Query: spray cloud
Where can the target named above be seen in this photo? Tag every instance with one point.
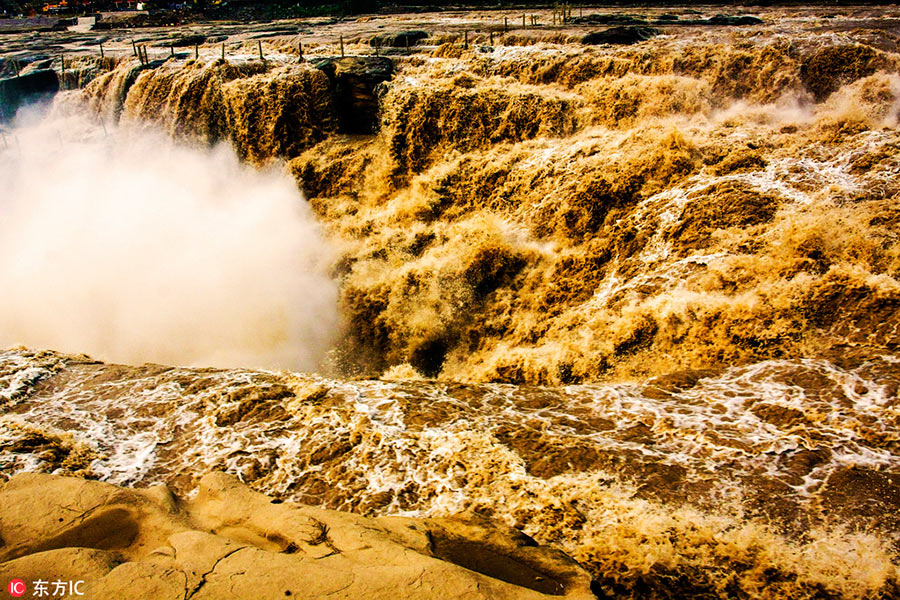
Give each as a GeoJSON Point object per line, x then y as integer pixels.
{"type": "Point", "coordinates": [126, 246]}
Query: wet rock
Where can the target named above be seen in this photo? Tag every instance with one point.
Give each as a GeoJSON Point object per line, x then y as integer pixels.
{"type": "Point", "coordinates": [402, 39]}
{"type": "Point", "coordinates": [609, 20]}
{"type": "Point", "coordinates": [232, 541]}
{"type": "Point", "coordinates": [34, 24]}
{"type": "Point", "coordinates": [476, 546]}
{"type": "Point", "coordinates": [622, 35]}
{"type": "Point", "coordinates": [354, 80]}
{"type": "Point", "coordinates": [16, 92]}
{"type": "Point", "coordinates": [121, 20]}
{"type": "Point", "coordinates": [734, 20]}
{"type": "Point", "coordinates": [21, 65]}
{"type": "Point", "coordinates": [130, 20]}
{"type": "Point", "coordinates": [183, 41]}
{"type": "Point", "coordinates": [666, 19]}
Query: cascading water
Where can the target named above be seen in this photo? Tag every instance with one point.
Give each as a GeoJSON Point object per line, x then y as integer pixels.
{"type": "Point", "coordinates": [641, 303]}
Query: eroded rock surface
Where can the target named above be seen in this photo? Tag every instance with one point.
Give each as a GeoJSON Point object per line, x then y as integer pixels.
{"type": "Point", "coordinates": [231, 541]}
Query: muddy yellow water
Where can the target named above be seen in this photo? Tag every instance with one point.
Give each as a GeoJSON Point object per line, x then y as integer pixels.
{"type": "Point", "coordinates": [641, 302]}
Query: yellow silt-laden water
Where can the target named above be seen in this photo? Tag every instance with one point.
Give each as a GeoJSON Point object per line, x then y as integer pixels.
{"type": "Point", "coordinates": [640, 302]}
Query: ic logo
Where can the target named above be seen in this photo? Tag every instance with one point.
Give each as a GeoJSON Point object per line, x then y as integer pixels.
{"type": "Point", "coordinates": [16, 588]}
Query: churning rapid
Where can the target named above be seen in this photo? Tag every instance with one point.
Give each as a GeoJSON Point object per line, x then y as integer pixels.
{"type": "Point", "coordinates": [640, 302]}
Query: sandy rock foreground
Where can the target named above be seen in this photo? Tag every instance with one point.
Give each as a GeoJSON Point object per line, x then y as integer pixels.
{"type": "Point", "coordinates": [233, 542]}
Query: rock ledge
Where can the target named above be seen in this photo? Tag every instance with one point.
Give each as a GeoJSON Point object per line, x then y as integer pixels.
{"type": "Point", "coordinates": [233, 542]}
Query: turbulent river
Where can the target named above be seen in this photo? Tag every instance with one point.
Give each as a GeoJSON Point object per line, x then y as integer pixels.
{"type": "Point", "coordinates": [640, 302]}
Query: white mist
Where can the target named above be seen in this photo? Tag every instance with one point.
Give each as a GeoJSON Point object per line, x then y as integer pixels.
{"type": "Point", "coordinates": [128, 247]}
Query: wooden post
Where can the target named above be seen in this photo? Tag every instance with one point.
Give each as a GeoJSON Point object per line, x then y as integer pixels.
{"type": "Point", "coordinates": [223, 50]}
{"type": "Point", "coordinates": [300, 49]}
{"type": "Point", "coordinates": [523, 20]}
{"type": "Point", "coordinates": [172, 48]}
{"type": "Point", "coordinates": [134, 47]}
{"type": "Point", "coordinates": [259, 44]}
{"type": "Point", "coordinates": [16, 64]}
{"type": "Point", "coordinates": [196, 51]}
{"type": "Point", "coordinates": [491, 37]}
{"type": "Point", "coordinates": [342, 46]}
{"type": "Point", "coordinates": [101, 51]}
{"type": "Point", "coordinates": [62, 67]}
{"type": "Point", "coordinates": [505, 25]}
